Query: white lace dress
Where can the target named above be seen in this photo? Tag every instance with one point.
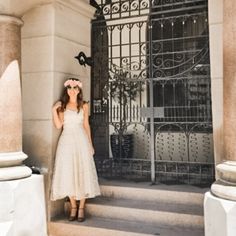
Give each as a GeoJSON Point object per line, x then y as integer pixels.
{"type": "Point", "coordinates": [74, 171]}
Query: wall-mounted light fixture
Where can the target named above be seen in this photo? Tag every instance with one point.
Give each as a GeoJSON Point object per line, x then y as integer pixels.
{"type": "Point", "coordinates": [84, 60]}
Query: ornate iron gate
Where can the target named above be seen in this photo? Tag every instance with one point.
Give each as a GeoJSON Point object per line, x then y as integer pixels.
{"type": "Point", "coordinates": [151, 90]}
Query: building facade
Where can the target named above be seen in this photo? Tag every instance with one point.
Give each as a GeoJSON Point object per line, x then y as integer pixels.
{"type": "Point", "coordinates": [163, 116]}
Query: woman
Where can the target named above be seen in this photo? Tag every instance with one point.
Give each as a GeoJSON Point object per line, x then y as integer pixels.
{"type": "Point", "coordinates": [75, 174]}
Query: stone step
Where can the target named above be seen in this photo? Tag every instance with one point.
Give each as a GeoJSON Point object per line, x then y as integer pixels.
{"type": "Point", "coordinates": [94, 226]}
{"type": "Point", "coordinates": [183, 194]}
{"type": "Point", "coordinates": [139, 209]}
{"type": "Point", "coordinates": [169, 214]}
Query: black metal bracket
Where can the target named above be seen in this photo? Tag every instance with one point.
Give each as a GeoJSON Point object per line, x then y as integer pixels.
{"type": "Point", "coordinates": [94, 4]}
{"type": "Point", "coordinates": [84, 60]}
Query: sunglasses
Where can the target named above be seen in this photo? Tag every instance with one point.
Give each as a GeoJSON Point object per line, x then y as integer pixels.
{"type": "Point", "coordinates": [75, 87]}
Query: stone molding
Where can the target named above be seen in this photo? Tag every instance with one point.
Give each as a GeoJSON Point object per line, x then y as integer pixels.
{"type": "Point", "coordinates": [225, 187]}
{"type": "Point", "coordinates": [224, 190]}
{"type": "Point", "coordinates": [14, 172]}
{"type": "Point", "coordinates": [19, 8]}
{"type": "Point", "coordinates": [227, 171]}
{"type": "Point", "coordinates": [82, 7]}
{"type": "Point", "coordinates": [13, 7]}
{"type": "Point", "coordinates": [11, 20]}
{"type": "Point", "coordinates": [12, 159]}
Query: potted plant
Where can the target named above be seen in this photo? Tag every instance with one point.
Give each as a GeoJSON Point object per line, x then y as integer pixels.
{"type": "Point", "coordinates": [122, 91]}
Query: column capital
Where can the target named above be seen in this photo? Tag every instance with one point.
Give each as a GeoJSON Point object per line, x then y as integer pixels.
{"type": "Point", "coordinates": [11, 20]}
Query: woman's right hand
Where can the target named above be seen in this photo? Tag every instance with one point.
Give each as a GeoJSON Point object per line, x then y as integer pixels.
{"type": "Point", "coordinates": [56, 105]}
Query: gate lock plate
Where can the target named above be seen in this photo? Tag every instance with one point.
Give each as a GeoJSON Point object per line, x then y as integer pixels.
{"type": "Point", "coordinates": [156, 112]}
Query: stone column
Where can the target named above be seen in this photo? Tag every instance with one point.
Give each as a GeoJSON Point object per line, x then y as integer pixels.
{"type": "Point", "coordinates": [220, 203]}
{"type": "Point", "coordinates": [225, 187]}
{"type": "Point", "coordinates": [11, 155]}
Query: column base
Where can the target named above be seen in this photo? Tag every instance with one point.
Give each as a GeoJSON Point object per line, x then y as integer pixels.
{"type": "Point", "coordinates": [14, 172]}
{"type": "Point", "coordinates": [12, 158]}
{"type": "Point", "coordinates": [219, 216]}
{"type": "Point", "coordinates": [225, 187]}
{"type": "Point", "coordinates": [224, 190]}
{"type": "Point", "coordinates": [11, 166]}
{"type": "Point", "coordinates": [22, 207]}
{"type": "Point", "coordinates": [227, 171]}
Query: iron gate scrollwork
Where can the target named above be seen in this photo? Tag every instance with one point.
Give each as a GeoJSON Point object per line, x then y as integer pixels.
{"type": "Point", "coordinates": [151, 90]}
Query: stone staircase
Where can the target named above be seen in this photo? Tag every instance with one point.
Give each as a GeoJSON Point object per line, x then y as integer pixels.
{"type": "Point", "coordinates": [138, 209]}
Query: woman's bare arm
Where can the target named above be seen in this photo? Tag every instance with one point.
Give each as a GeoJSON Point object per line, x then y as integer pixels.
{"type": "Point", "coordinates": [58, 117]}
{"type": "Point", "coordinates": [86, 123]}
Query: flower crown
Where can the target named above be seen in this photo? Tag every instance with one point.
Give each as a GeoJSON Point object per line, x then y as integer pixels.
{"type": "Point", "coordinates": [73, 83]}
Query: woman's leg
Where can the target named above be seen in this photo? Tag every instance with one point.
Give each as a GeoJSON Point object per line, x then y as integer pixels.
{"type": "Point", "coordinates": [73, 202]}
{"type": "Point", "coordinates": [81, 216]}
{"type": "Point", "coordinates": [73, 212]}
{"type": "Point", "coordinates": [82, 203]}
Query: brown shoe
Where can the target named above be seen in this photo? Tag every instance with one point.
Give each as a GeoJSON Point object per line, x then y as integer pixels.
{"type": "Point", "coordinates": [81, 215]}
{"type": "Point", "coordinates": [73, 213]}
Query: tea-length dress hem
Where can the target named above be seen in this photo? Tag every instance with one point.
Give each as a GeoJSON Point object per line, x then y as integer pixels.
{"type": "Point", "coordinates": [74, 171]}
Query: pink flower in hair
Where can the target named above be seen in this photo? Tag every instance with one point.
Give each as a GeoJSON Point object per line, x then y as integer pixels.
{"type": "Point", "coordinates": [73, 83]}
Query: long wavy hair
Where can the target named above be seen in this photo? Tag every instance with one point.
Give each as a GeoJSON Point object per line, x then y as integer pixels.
{"type": "Point", "coordinates": [65, 98]}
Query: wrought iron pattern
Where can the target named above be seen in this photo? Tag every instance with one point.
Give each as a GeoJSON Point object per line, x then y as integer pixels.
{"type": "Point", "coordinates": [153, 54]}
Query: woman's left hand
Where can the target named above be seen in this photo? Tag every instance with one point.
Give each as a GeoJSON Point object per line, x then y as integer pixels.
{"type": "Point", "coordinates": [92, 150]}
